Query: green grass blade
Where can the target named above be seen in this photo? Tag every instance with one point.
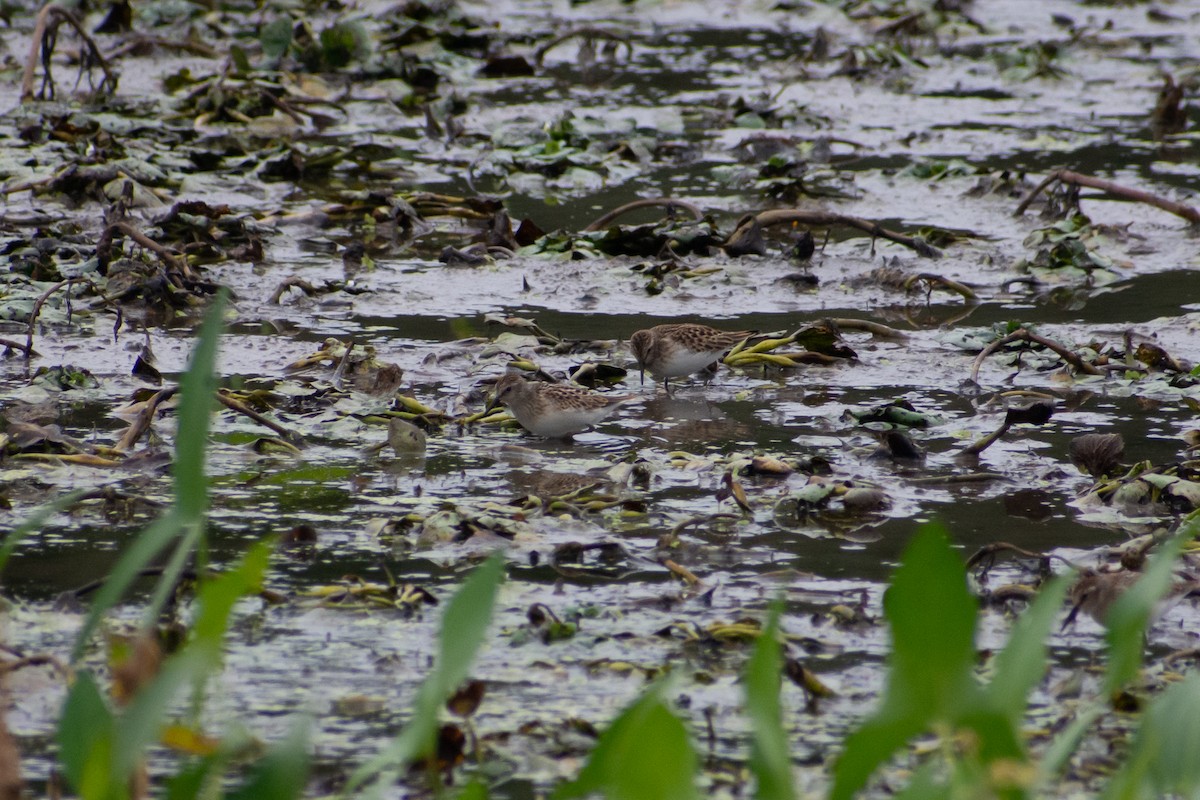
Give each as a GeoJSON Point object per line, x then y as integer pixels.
{"type": "Point", "coordinates": [168, 580]}
{"type": "Point", "coordinates": [136, 557]}
{"type": "Point", "coordinates": [1019, 667]}
{"type": "Point", "coordinates": [931, 673]}
{"type": "Point", "coordinates": [141, 722]}
{"type": "Point", "coordinates": [932, 617]}
{"type": "Point", "coordinates": [645, 754]}
{"type": "Point", "coordinates": [191, 490]}
{"type": "Point", "coordinates": [1162, 762]}
{"type": "Point", "coordinates": [770, 758]}
{"type": "Point", "coordinates": [86, 739]}
{"type": "Point", "coordinates": [282, 773]}
{"type": "Point", "coordinates": [464, 623]}
{"type": "Point", "coordinates": [197, 389]}
{"type": "Point", "coordinates": [1055, 759]}
{"type": "Point", "coordinates": [1131, 613]}
{"type": "Point", "coordinates": [866, 748]}
{"type": "Point", "coordinates": [475, 790]}
{"type": "Point", "coordinates": [467, 618]}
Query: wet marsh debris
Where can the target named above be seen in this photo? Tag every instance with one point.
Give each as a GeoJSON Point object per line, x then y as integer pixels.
{"type": "Point", "coordinates": [41, 48]}
{"type": "Point", "coordinates": [260, 103]}
{"type": "Point", "coordinates": [1037, 413]}
{"type": "Point", "coordinates": [1077, 180]}
{"type": "Point", "coordinates": [589, 34]}
{"type": "Point", "coordinates": [27, 348]}
{"type": "Point", "coordinates": [356, 594]}
{"type": "Point", "coordinates": [316, 162]}
{"type": "Point", "coordinates": [305, 288]}
{"type": "Point", "coordinates": [822, 343]}
{"type": "Point", "coordinates": [1170, 113]}
{"type": "Point", "coordinates": [1147, 489]}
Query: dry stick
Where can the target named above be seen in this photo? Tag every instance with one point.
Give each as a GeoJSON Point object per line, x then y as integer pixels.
{"type": "Point", "coordinates": [37, 309]}
{"type": "Point", "coordinates": [148, 572]}
{"type": "Point", "coordinates": [987, 441]}
{"type": "Point", "coordinates": [39, 36]}
{"type": "Point", "coordinates": [142, 423]}
{"type": "Point", "coordinates": [37, 183]}
{"type": "Point", "coordinates": [1136, 195]}
{"type": "Point", "coordinates": [933, 280]}
{"type": "Point", "coordinates": [40, 660]}
{"type": "Point", "coordinates": [170, 257]}
{"type": "Point", "coordinates": [873, 328]}
{"type": "Point", "coordinates": [683, 572]}
{"type": "Point", "coordinates": [649, 202]}
{"type": "Point", "coordinates": [951, 480]}
{"type": "Point", "coordinates": [1021, 334]}
{"type": "Point", "coordinates": [999, 547]}
{"type": "Point", "coordinates": [236, 405]}
{"type": "Point", "coordinates": [284, 107]}
{"type": "Point", "coordinates": [288, 283]}
{"type": "Point", "coordinates": [591, 33]}
{"type": "Point", "coordinates": [785, 216]}
{"type": "Point", "coordinates": [25, 348]}
{"type": "Point", "coordinates": [702, 519]}
{"type": "Point", "coordinates": [144, 419]}
{"type": "Point", "coordinates": [143, 39]}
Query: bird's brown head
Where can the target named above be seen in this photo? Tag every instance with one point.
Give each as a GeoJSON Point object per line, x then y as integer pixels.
{"type": "Point", "coordinates": [640, 344]}
{"type": "Point", "coordinates": [504, 389]}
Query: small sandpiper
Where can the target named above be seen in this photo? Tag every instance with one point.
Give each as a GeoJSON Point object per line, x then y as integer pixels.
{"type": "Point", "coordinates": [673, 351]}
{"type": "Point", "coordinates": [553, 410]}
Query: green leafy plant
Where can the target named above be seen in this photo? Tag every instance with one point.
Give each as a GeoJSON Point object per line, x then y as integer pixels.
{"type": "Point", "coordinates": [464, 624]}
{"type": "Point", "coordinates": [645, 754]}
{"type": "Point", "coordinates": [101, 747]}
{"type": "Point", "coordinates": [770, 759]}
{"type": "Point", "coordinates": [932, 687]}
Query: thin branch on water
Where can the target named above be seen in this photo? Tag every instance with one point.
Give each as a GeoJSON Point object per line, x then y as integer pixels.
{"type": "Point", "coordinates": [786, 216]}
{"type": "Point", "coordinates": [144, 419]}
{"type": "Point", "coordinates": [233, 404]}
{"type": "Point", "coordinates": [24, 348]}
{"type": "Point", "coordinates": [1021, 334]}
{"type": "Point", "coordinates": [587, 33]}
{"type": "Point", "coordinates": [37, 309]}
{"type": "Point", "coordinates": [932, 280]}
{"type": "Point", "coordinates": [669, 203]}
{"type": "Point", "coordinates": [168, 256]}
{"type": "Point", "coordinates": [1114, 189]}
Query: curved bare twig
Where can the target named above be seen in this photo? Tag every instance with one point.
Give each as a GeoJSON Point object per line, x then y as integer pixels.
{"type": "Point", "coordinates": [1115, 189]}
{"type": "Point", "coordinates": [48, 20]}
{"type": "Point", "coordinates": [785, 216]}
{"type": "Point", "coordinates": [586, 32]}
{"type": "Point", "coordinates": [649, 202]}
{"type": "Point", "coordinates": [1021, 334]}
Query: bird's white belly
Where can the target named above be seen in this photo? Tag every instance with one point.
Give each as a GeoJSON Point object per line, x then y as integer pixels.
{"type": "Point", "coordinates": [679, 364]}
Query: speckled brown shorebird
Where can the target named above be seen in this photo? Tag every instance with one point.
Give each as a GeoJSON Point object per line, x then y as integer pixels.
{"type": "Point", "coordinates": [673, 351]}
{"type": "Point", "coordinates": [553, 410]}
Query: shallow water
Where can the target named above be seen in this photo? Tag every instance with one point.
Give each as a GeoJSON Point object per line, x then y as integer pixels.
{"type": "Point", "coordinates": [703, 101]}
